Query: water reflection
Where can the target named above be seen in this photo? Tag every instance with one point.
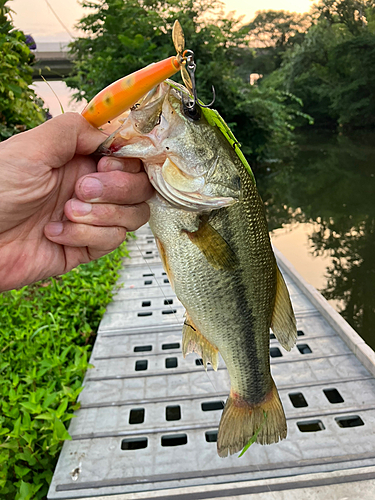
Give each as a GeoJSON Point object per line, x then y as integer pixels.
{"type": "Point", "coordinates": [331, 183]}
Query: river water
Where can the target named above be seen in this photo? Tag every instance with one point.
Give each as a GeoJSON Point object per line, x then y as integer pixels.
{"type": "Point", "coordinates": [321, 213]}
{"type": "Point", "coordinates": [321, 210]}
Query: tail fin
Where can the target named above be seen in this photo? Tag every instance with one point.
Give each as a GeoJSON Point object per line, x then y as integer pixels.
{"type": "Point", "coordinates": [240, 420]}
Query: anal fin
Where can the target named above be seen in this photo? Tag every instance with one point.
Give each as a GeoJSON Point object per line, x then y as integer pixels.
{"type": "Point", "coordinates": [194, 341]}
{"type": "Point", "coordinates": [283, 322]}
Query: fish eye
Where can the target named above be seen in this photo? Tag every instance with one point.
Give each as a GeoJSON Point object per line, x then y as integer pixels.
{"type": "Point", "coordinates": [193, 113]}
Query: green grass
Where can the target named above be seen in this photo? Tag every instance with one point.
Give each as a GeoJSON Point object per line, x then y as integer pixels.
{"type": "Point", "coordinates": [46, 334]}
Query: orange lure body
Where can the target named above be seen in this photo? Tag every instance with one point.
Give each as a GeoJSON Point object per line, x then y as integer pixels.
{"type": "Point", "coordinates": [124, 93]}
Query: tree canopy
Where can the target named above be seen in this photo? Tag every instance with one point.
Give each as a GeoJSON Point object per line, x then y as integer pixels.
{"type": "Point", "coordinates": [277, 28]}
{"type": "Point", "coordinates": [272, 32]}
{"type": "Point", "coordinates": [20, 108]}
{"type": "Point", "coordinates": [333, 68]}
{"type": "Point", "coordinates": [324, 59]}
{"type": "Point", "coordinates": [350, 13]}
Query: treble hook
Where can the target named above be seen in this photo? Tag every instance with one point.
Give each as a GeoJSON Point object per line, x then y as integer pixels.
{"type": "Point", "coordinates": [188, 55]}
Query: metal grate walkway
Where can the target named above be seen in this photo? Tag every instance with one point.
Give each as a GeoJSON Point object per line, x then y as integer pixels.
{"type": "Point", "coordinates": [148, 419]}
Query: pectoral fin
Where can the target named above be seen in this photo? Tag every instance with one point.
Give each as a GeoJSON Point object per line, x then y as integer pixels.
{"type": "Point", "coordinates": [193, 341]}
{"type": "Point", "coordinates": [213, 246]}
{"type": "Point", "coordinates": [283, 321]}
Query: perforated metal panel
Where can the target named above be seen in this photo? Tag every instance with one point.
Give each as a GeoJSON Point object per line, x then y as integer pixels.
{"type": "Point", "coordinates": [149, 418]}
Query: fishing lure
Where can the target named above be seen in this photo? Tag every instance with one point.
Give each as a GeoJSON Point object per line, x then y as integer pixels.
{"type": "Point", "coordinates": [126, 92]}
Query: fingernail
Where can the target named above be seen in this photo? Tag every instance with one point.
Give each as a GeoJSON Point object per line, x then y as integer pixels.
{"type": "Point", "coordinates": [92, 188]}
{"type": "Point", "coordinates": [80, 208]}
{"type": "Point", "coordinates": [54, 228]}
{"type": "Point", "coordinates": [113, 164]}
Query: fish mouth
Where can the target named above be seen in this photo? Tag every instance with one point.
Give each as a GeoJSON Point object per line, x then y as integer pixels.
{"type": "Point", "coordinates": [153, 133]}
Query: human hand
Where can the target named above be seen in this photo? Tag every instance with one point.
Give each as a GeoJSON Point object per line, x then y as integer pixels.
{"type": "Point", "coordinates": [58, 206]}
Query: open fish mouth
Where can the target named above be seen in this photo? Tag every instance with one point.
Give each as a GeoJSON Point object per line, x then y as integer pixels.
{"type": "Point", "coordinates": [183, 170]}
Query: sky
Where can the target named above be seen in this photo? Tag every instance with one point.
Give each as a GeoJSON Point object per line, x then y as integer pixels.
{"type": "Point", "coordinates": [35, 17]}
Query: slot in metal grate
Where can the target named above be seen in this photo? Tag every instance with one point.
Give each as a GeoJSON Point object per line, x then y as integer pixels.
{"type": "Point", "coordinates": [137, 416]}
{"type": "Point", "coordinates": [213, 406]}
{"type": "Point", "coordinates": [173, 413]}
{"type": "Point", "coordinates": [311, 426]}
{"type": "Point", "coordinates": [134, 443]}
{"type": "Point", "coordinates": [174, 440]}
{"type": "Point", "coordinates": [142, 348]}
{"type": "Point", "coordinates": [298, 400]}
{"type": "Point", "coordinates": [174, 345]}
{"type": "Point", "coordinates": [304, 349]}
{"type": "Point", "coordinates": [211, 436]}
{"type": "Point", "coordinates": [275, 352]}
{"type": "Point", "coordinates": [351, 421]}
{"type": "Point", "coordinates": [333, 396]}
{"type": "Point", "coordinates": [141, 365]}
{"type": "Point", "coordinates": [171, 363]}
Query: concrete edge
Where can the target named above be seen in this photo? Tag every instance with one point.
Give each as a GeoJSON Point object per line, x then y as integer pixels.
{"type": "Point", "coordinates": [231, 490]}
{"type": "Point", "coordinates": [355, 343]}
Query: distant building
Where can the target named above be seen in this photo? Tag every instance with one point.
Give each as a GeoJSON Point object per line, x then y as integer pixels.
{"type": "Point", "coordinates": [254, 77]}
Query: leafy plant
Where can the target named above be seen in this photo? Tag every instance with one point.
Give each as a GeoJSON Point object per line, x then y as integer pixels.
{"type": "Point", "coordinates": [46, 334]}
{"type": "Point", "coordinates": [20, 108]}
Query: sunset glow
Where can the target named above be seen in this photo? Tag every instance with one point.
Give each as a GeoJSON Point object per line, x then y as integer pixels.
{"type": "Point", "coordinates": [36, 18]}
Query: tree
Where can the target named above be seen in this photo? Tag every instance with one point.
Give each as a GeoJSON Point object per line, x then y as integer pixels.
{"type": "Point", "coordinates": [272, 32]}
{"type": "Point", "coordinates": [277, 28]}
{"type": "Point", "coordinates": [123, 36]}
{"type": "Point", "coordinates": [20, 108]}
{"type": "Point", "coordinates": [332, 70]}
{"type": "Point", "coordinates": [353, 67]}
{"type": "Point", "coordinates": [350, 13]}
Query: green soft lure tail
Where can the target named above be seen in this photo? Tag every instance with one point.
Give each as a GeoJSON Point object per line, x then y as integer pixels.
{"type": "Point", "coordinates": [214, 119]}
{"type": "Point", "coordinates": [254, 438]}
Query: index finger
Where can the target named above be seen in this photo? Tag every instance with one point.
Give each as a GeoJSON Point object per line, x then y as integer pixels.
{"type": "Point", "coordinates": [109, 164]}
{"type": "Point", "coordinates": [119, 188]}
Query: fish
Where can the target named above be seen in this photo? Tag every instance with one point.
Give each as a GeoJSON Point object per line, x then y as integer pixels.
{"type": "Point", "coordinates": [209, 224]}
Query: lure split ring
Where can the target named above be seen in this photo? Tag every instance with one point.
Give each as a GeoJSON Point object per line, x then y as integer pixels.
{"type": "Point", "coordinates": [188, 57]}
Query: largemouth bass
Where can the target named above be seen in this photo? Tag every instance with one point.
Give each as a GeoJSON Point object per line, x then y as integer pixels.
{"type": "Point", "coordinates": [209, 224]}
